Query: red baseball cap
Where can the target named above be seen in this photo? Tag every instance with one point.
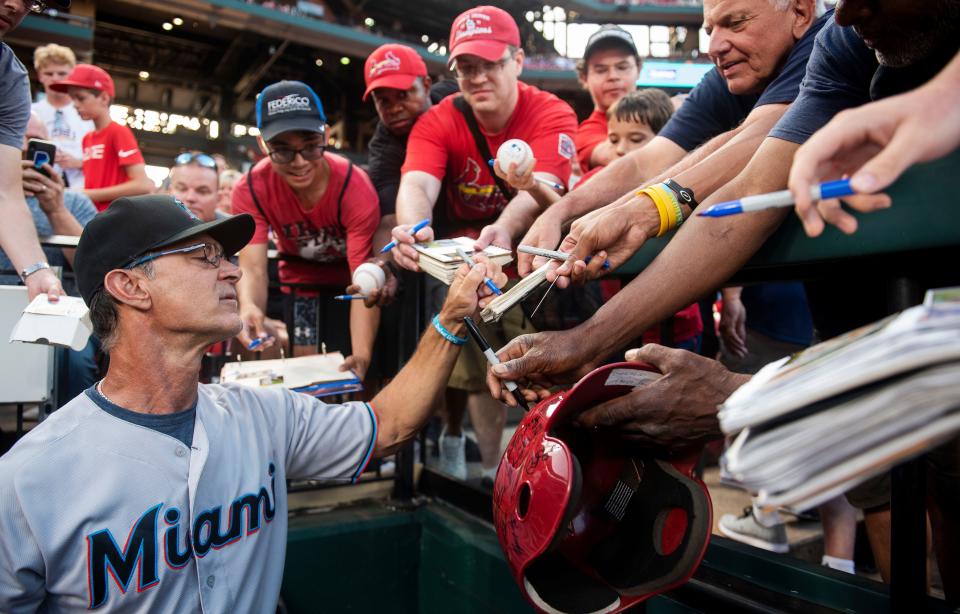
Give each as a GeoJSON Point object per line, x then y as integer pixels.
{"type": "Point", "coordinates": [484, 31]}
{"type": "Point", "coordinates": [86, 75]}
{"type": "Point", "coordinates": [394, 66]}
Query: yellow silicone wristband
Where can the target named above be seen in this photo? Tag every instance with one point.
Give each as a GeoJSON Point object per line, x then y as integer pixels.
{"type": "Point", "coordinates": [661, 208]}
{"type": "Point", "coordinates": [673, 205]}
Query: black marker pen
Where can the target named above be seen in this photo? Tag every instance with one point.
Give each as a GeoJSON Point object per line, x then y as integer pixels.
{"type": "Point", "coordinates": [493, 360]}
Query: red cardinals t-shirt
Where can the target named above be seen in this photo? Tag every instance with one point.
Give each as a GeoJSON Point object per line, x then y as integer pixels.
{"type": "Point", "coordinates": [331, 240]}
{"type": "Point", "coordinates": [442, 145]}
{"type": "Point", "coordinates": [105, 154]}
{"type": "Point", "coordinates": [590, 133]}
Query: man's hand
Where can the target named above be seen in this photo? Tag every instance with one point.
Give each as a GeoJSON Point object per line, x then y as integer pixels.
{"type": "Point", "coordinates": [47, 190]}
{"type": "Point", "coordinates": [65, 160]}
{"type": "Point", "coordinates": [468, 288]}
{"type": "Point", "coordinates": [677, 410]}
{"type": "Point", "coordinates": [44, 282]}
{"type": "Point", "coordinates": [874, 144]}
{"type": "Point", "coordinates": [256, 326]}
{"type": "Point", "coordinates": [380, 297]}
{"type": "Point", "coordinates": [537, 362]}
{"type": "Point", "coordinates": [545, 233]}
{"type": "Point", "coordinates": [356, 363]}
{"type": "Point", "coordinates": [733, 323]}
{"type": "Point", "coordinates": [613, 233]}
{"type": "Point", "coordinates": [517, 181]}
{"type": "Point", "coordinates": [404, 254]}
{"type": "Point", "coordinates": [493, 234]}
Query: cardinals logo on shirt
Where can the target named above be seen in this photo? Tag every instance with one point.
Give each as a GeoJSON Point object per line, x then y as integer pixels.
{"type": "Point", "coordinates": [389, 62]}
{"type": "Point", "coordinates": [483, 198]}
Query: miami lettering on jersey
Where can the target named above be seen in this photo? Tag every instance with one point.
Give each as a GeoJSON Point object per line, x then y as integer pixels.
{"type": "Point", "coordinates": [179, 544]}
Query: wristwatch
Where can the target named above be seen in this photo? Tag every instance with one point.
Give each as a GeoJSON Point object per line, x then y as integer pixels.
{"type": "Point", "coordinates": [33, 268]}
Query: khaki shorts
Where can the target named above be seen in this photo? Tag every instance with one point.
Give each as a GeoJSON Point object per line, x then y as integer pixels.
{"type": "Point", "coordinates": [470, 372]}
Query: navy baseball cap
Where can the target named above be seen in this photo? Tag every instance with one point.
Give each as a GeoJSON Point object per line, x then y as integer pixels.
{"type": "Point", "coordinates": [609, 35]}
{"type": "Point", "coordinates": [134, 225]}
{"type": "Point", "coordinates": [287, 106]}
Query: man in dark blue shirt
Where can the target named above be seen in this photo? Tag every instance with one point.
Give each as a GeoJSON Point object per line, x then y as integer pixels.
{"type": "Point", "coordinates": [760, 52]}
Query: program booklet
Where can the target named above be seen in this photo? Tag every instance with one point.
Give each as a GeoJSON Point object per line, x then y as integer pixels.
{"type": "Point", "coordinates": [317, 375]}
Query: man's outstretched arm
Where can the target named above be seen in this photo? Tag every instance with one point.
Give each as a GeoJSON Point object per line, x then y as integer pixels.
{"type": "Point", "coordinates": [703, 255]}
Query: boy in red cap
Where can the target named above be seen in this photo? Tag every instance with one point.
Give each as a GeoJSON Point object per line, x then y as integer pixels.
{"type": "Point", "coordinates": [443, 150]}
{"type": "Point", "coordinates": [112, 163]}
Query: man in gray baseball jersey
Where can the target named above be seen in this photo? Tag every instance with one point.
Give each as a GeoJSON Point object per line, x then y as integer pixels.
{"type": "Point", "coordinates": [151, 492]}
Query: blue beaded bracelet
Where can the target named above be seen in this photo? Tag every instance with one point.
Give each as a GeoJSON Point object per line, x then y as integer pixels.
{"type": "Point", "coordinates": [455, 340]}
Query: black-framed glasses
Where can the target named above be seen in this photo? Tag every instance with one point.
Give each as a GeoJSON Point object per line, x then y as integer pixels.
{"type": "Point", "coordinates": [204, 160]}
{"type": "Point", "coordinates": [36, 6]}
{"type": "Point", "coordinates": [472, 71]}
{"type": "Point", "coordinates": [212, 253]}
{"type": "Point", "coordinates": [286, 156]}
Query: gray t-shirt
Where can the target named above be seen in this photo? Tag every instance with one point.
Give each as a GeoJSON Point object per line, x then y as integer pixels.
{"type": "Point", "coordinates": [14, 98]}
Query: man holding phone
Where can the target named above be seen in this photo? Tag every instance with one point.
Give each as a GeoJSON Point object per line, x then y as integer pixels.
{"type": "Point", "coordinates": [55, 211]}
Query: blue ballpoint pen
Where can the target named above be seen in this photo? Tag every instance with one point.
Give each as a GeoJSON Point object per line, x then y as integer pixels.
{"type": "Point", "coordinates": [416, 228]}
{"type": "Point", "coordinates": [349, 297]}
{"type": "Point", "coordinates": [783, 198]}
{"type": "Point", "coordinates": [466, 258]}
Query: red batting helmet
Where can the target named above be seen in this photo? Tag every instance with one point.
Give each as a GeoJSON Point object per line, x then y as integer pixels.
{"type": "Point", "coordinates": [589, 523]}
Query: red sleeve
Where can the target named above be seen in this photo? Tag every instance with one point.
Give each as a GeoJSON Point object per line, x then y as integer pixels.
{"type": "Point", "coordinates": [361, 216]}
{"type": "Point", "coordinates": [128, 151]}
{"type": "Point", "coordinates": [426, 148]}
{"type": "Point", "coordinates": [241, 202]}
{"type": "Point", "coordinates": [552, 143]}
{"type": "Point", "coordinates": [591, 133]}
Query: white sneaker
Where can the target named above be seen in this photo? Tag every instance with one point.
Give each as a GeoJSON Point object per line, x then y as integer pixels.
{"type": "Point", "coordinates": [453, 455]}
{"type": "Point", "coordinates": [746, 529]}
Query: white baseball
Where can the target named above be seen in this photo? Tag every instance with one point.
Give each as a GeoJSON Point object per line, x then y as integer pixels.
{"type": "Point", "coordinates": [514, 151]}
{"type": "Point", "coordinates": [369, 277]}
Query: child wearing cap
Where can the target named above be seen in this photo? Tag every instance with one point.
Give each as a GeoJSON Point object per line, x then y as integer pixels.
{"type": "Point", "coordinates": [609, 69]}
{"type": "Point", "coordinates": [112, 163]}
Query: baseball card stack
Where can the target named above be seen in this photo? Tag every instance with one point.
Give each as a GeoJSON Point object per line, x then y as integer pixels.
{"type": "Point", "coordinates": [318, 375]}
{"type": "Point", "coordinates": [811, 426]}
{"type": "Point", "coordinates": [439, 258]}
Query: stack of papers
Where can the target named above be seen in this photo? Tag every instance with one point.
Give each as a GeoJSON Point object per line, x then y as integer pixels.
{"type": "Point", "coordinates": [809, 427]}
{"type": "Point", "coordinates": [439, 258]}
{"type": "Point", "coordinates": [500, 305]}
{"type": "Point", "coordinates": [317, 375]}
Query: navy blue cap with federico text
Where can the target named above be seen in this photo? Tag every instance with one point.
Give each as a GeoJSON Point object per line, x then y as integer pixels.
{"type": "Point", "coordinates": [287, 106]}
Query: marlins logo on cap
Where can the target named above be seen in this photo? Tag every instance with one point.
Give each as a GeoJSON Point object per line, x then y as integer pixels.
{"type": "Point", "coordinates": [289, 106]}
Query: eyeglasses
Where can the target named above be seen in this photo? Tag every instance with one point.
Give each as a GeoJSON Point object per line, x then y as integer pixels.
{"type": "Point", "coordinates": [472, 71]}
{"type": "Point", "coordinates": [286, 156]}
{"type": "Point", "coordinates": [212, 253]}
{"type": "Point", "coordinates": [200, 158]}
{"type": "Point", "coordinates": [36, 6]}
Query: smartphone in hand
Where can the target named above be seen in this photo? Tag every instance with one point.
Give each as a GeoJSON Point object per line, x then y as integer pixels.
{"type": "Point", "coordinates": [41, 152]}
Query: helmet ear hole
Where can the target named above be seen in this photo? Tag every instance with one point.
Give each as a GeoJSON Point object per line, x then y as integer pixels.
{"type": "Point", "coordinates": [523, 501]}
